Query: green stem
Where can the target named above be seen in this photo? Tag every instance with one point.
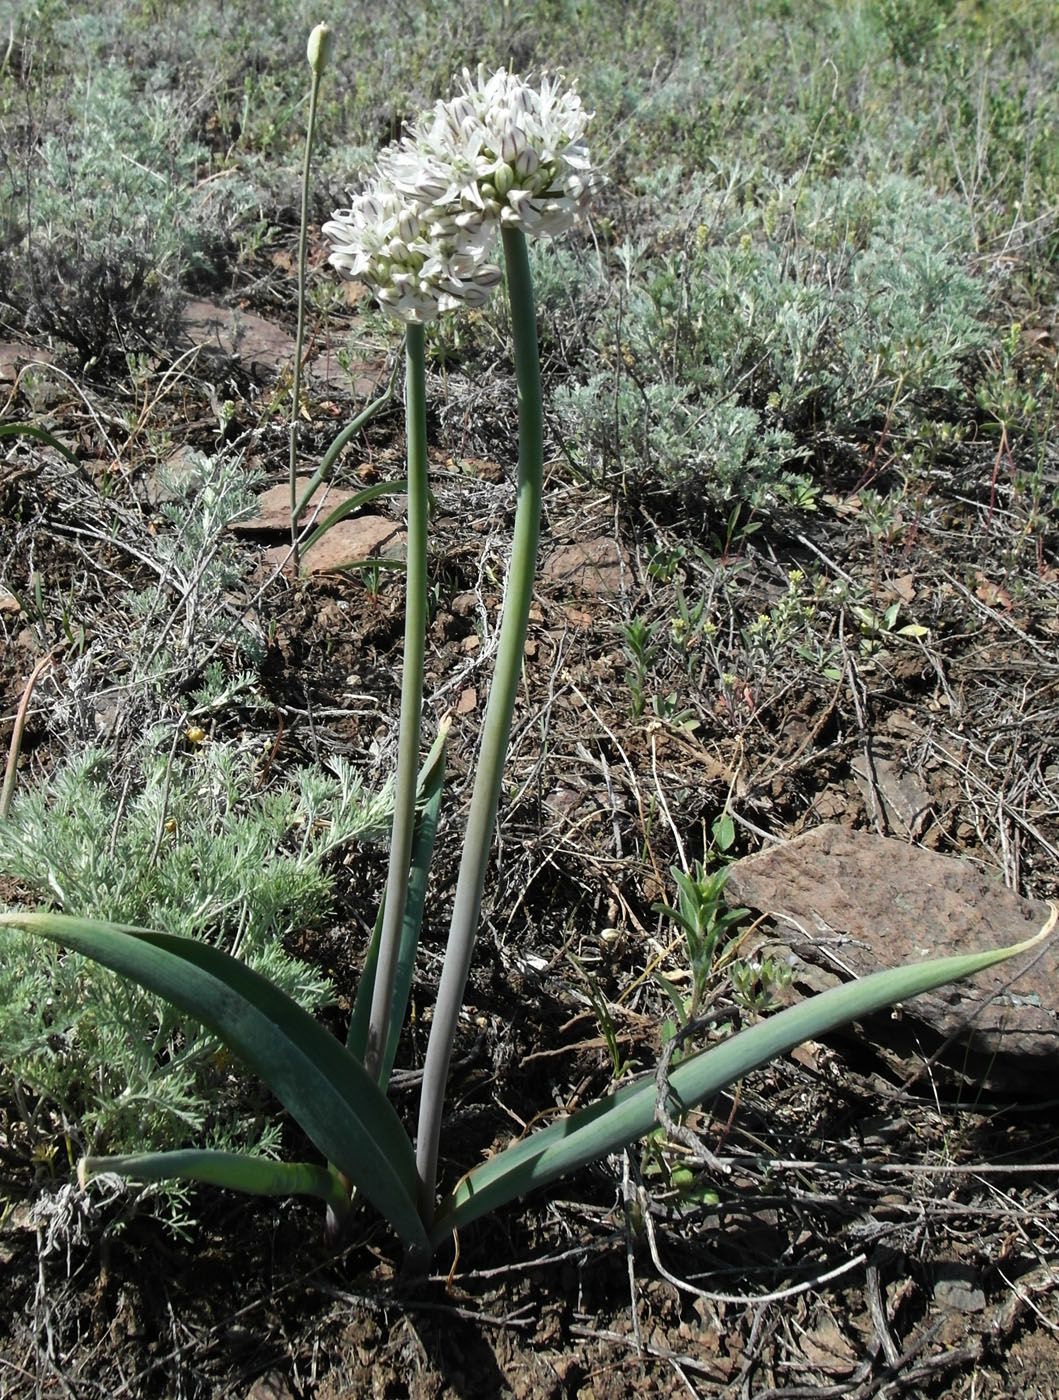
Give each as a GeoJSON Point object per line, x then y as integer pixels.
{"type": "Point", "coordinates": [496, 730]}
{"type": "Point", "coordinates": [299, 335]}
{"type": "Point", "coordinates": [404, 803]}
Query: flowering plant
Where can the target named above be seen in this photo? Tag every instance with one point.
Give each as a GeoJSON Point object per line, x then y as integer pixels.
{"type": "Point", "coordinates": [505, 159]}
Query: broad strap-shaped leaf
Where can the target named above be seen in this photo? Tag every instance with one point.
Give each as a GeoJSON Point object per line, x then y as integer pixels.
{"type": "Point", "coordinates": [41, 435]}
{"type": "Point", "coordinates": [341, 1109]}
{"type": "Point", "coordinates": [628, 1115]}
{"type": "Point", "coordinates": [235, 1171]}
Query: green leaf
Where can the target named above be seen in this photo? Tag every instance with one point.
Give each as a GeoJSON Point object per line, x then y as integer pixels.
{"type": "Point", "coordinates": [340, 1107]}
{"type": "Point", "coordinates": [235, 1171]}
{"type": "Point", "coordinates": [362, 498]}
{"type": "Point", "coordinates": [31, 430]}
{"type": "Point", "coordinates": [629, 1114]}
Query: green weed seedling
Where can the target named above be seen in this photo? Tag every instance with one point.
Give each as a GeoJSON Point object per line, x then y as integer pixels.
{"type": "Point", "coordinates": [702, 915]}
{"type": "Point", "coordinates": [638, 637]}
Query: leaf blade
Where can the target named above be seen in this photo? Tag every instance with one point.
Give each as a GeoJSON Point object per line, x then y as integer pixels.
{"type": "Point", "coordinates": [339, 1106]}
{"type": "Point", "coordinates": [234, 1171]}
{"type": "Point", "coordinates": [617, 1122]}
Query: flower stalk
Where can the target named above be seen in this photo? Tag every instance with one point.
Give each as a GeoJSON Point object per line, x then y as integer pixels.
{"type": "Point", "coordinates": [318, 52]}
{"type": "Point", "coordinates": [404, 809]}
{"type": "Point", "coordinates": [496, 729]}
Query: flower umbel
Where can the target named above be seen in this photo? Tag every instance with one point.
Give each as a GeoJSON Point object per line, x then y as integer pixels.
{"type": "Point", "coordinates": [500, 154]}
{"type": "Point", "coordinates": [417, 262]}
{"type": "Point", "coordinates": [507, 150]}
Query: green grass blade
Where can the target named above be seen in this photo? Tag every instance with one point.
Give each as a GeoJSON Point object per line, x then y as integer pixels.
{"type": "Point", "coordinates": [41, 435]}
{"type": "Point", "coordinates": [362, 498]}
{"type": "Point", "coordinates": [235, 1171]}
{"type": "Point", "coordinates": [331, 456]}
{"type": "Point", "coordinates": [616, 1122]}
{"type": "Point", "coordinates": [360, 1017]}
{"type": "Point", "coordinates": [341, 1109]}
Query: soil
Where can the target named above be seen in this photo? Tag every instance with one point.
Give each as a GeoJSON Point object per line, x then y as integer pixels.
{"type": "Point", "coordinates": [864, 1236]}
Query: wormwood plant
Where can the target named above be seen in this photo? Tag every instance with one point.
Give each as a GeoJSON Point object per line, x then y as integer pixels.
{"type": "Point", "coordinates": [793, 307]}
{"type": "Point", "coordinates": [191, 846]}
{"type": "Point", "coordinates": [106, 221]}
{"type": "Point", "coordinates": [509, 158]}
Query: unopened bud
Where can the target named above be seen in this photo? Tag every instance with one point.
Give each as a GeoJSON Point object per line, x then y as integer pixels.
{"type": "Point", "coordinates": [503, 179]}
{"type": "Point", "coordinates": [320, 47]}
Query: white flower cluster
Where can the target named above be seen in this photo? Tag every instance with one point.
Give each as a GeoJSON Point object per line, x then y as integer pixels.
{"type": "Point", "coordinates": [416, 261]}
{"type": "Point", "coordinates": [501, 153]}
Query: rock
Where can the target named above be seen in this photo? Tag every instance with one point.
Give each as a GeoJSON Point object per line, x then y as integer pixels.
{"type": "Point", "coordinates": [262, 347]}
{"type": "Point", "coordinates": [272, 1386]}
{"type": "Point", "coordinates": [14, 356]}
{"type": "Point", "coordinates": [273, 507]}
{"type": "Point", "coordinates": [958, 1286]}
{"type": "Point", "coordinates": [353, 542]}
{"type": "Point", "coordinates": [904, 800]}
{"type": "Point", "coordinates": [587, 566]}
{"type": "Point", "coordinates": [847, 903]}
{"type": "Point", "coordinates": [364, 379]}
{"type": "Point", "coordinates": [162, 484]}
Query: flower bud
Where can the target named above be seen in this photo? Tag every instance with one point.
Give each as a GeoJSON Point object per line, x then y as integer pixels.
{"type": "Point", "coordinates": [320, 48]}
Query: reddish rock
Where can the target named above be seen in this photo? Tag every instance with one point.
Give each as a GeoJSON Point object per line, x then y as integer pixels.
{"type": "Point", "coordinates": [592, 567]}
{"type": "Point", "coordinates": [847, 903]}
{"type": "Point", "coordinates": [263, 347]}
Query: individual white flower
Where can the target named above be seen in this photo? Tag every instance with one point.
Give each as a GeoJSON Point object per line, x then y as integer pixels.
{"type": "Point", "coordinates": [417, 262]}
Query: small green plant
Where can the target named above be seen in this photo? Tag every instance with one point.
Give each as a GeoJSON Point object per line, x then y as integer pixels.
{"type": "Point", "coordinates": [638, 636]}
{"type": "Point", "coordinates": [619, 1064]}
{"type": "Point", "coordinates": [758, 984]}
{"type": "Point", "coordinates": [702, 915]}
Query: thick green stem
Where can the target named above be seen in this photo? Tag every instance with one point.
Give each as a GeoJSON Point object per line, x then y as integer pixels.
{"type": "Point", "coordinates": [299, 336]}
{"type": "Point", "coordinates": [496, 729]}
{"type": "Point", "coordinates": [404, 802]}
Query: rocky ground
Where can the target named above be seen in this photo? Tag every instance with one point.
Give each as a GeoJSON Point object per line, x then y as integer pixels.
{"type": "Point", "coordinates": [883, 1219]}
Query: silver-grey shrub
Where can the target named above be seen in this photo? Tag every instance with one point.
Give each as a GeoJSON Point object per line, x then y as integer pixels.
{"type": "Point", "coordinates": [783, 309]}
{"type": "Point", "coordinates": [190, 845]}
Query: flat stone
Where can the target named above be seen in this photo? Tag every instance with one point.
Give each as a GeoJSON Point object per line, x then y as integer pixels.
{"type": "Point", "coordinates": [273, 507]}
{"type": "Point", "coordinates": [352, 542]}
{"type": "Point", "coordinates": [14, 356]}
{"type": "Point", "coordinates": [848, 903]}
{"type": "Point", "coordinates": [905, 803]}
{"type": "Point", "coordinates": [261, 346]}
{"type": "Point", "coordinates": [587, 567]}
{"type": "Point", "coordinates": [273, 1386]}
{"type": "Point", "coordinates": [365, 379]}
{"type": "Point", "coordinates": [355, 540]}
